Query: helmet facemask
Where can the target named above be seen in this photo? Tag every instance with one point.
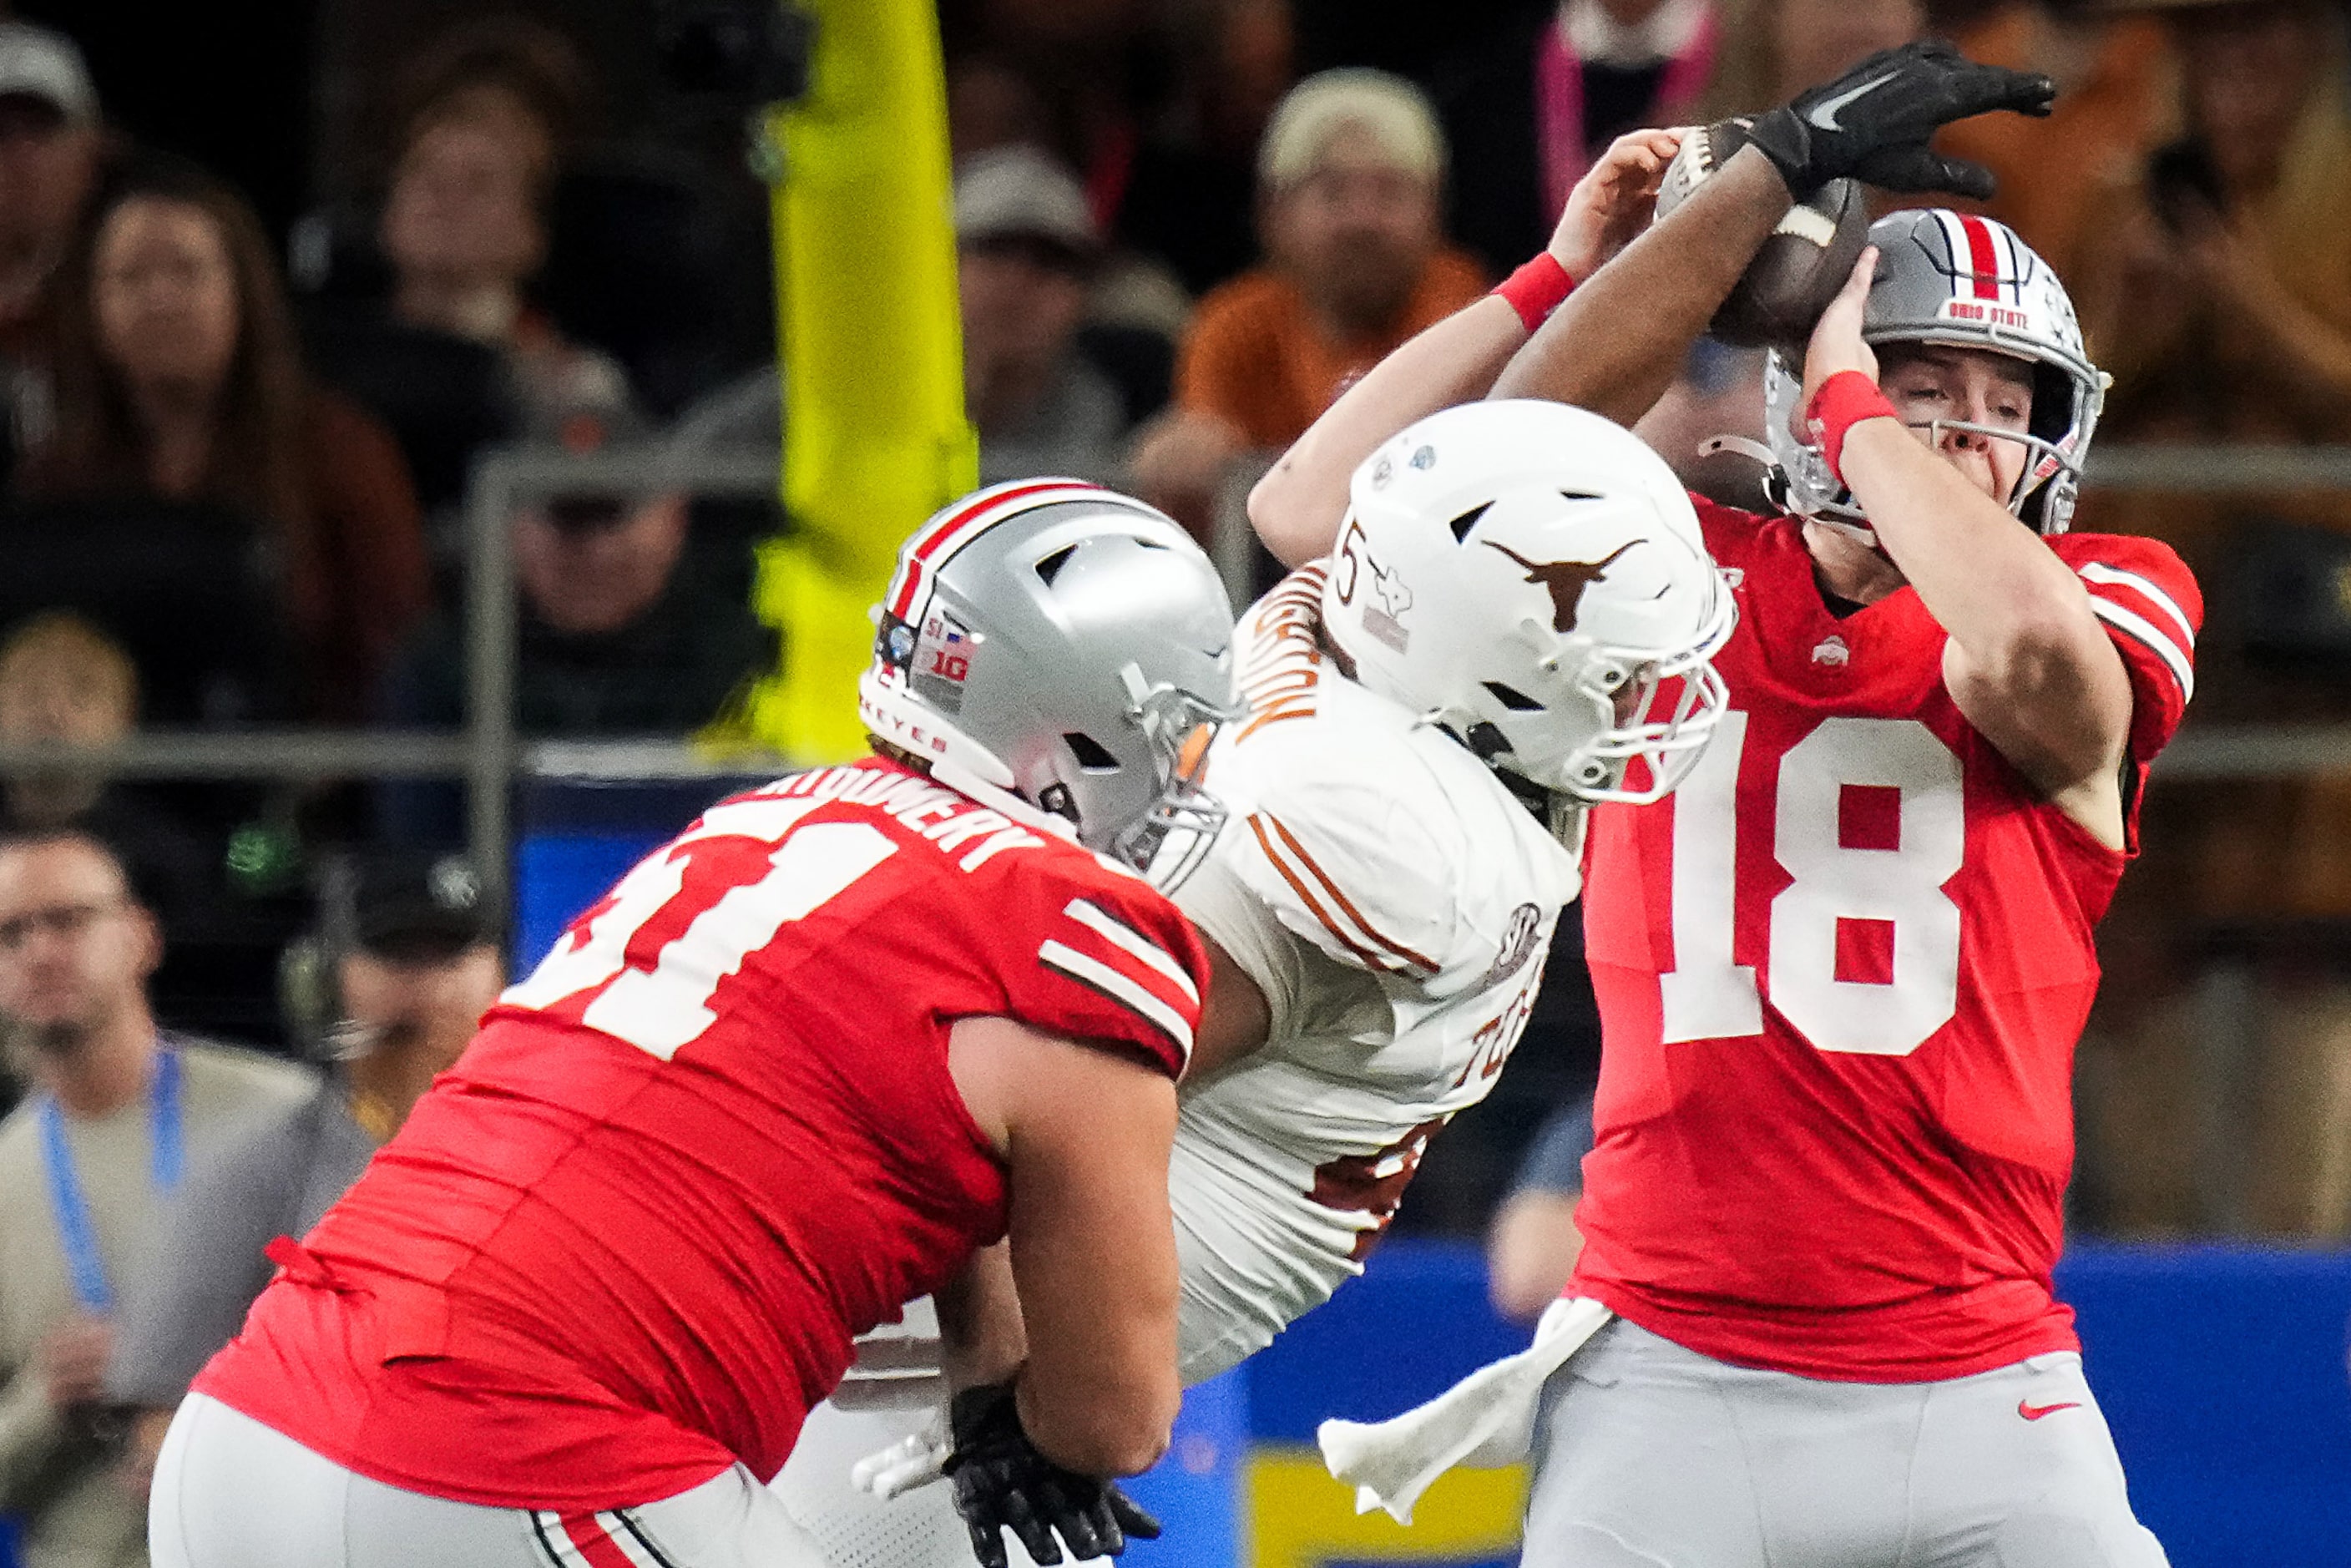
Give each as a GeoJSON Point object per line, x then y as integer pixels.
{"type": "Point", "coordinates": [1185, 818]}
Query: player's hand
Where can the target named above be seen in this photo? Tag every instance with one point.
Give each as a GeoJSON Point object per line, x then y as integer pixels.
{"type": "Point", "coordinates": [1613, 202]}
{"type": "Point", "coordinates": [914, 1461]}
{"type": "Point", "coordinates": [1875, 121]}
{"type": "Point", "coordinates": [1001, 1481]}
{"type": "Point", "coordinates": [1837, 344]}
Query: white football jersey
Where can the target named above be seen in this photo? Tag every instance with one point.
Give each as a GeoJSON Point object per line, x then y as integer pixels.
{"type": "Point", "coordinates": [1395, 902]}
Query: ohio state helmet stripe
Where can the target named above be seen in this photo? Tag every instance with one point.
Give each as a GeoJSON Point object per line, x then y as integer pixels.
{"type": "Point", "coordinates": [2140, 629]}
{"type": "Point", "coordinates": [950, 533]}
{"type": "Point", "coordinates": [1127, 939]}
{"type": "Point", "coordinates": [2099, 572]}
{"type": "Point", "coordinates": [1129, 993]}
{"type": "Point", "coordinates": [1354, 932]}
{"type": "Point", "coordinates": [1981, 257]}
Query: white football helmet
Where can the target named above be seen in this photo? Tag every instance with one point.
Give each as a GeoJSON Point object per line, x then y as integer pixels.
{"type": "Point", "coordinates": [1956, 278]}
{"type": "Point", "coordinates": [1059, 643]}
{"type": "Point", "coordinates": [1532, 578]}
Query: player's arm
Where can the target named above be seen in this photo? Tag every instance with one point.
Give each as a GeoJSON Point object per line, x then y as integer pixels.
{"type": "Point", "coordinates": [1296, 506]}
{"type": "Point", "coordinates": [2028, 661]}
{"type": "Point", "coordinates": [1234, 1020]}
{"type": "Point", "coordinates": [1086, 1132]}
{"type": "Point", "coordinates": [981, 1337]}
{"type": "Point", "coordinates": [1615, 345]}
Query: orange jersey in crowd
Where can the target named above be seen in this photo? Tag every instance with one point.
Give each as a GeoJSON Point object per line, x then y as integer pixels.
{"type": "Point", "coordinates": [1257, 357]}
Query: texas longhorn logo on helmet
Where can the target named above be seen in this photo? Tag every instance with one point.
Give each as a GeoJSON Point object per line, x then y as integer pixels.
{"type": "Point", "coordinates": [1565, 580]}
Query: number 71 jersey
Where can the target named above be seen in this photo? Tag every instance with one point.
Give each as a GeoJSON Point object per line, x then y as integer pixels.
{"type": "Point", "coordinates": [1841, 975]}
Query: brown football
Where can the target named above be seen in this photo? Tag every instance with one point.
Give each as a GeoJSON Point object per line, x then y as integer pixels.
{"type": "Point", "coordinates": [1799, 267]}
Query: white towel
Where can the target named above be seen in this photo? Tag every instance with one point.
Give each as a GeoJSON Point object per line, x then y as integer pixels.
{"type": "Point", "coordinates": [1485, 1421]}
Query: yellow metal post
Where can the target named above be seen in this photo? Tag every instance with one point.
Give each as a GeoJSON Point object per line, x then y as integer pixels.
{"type": "Point", "coordinates": [875, 437]}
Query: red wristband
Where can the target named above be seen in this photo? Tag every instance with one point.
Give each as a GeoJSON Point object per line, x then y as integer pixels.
{"type": "Point", "coordinates": [1844, 400]}
{"type": "Point", "coordinates": [1536, 290]}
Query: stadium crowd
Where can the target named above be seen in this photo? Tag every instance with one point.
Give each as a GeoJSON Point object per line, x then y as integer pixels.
{"type": "Point", "coordinates": [233, 452]}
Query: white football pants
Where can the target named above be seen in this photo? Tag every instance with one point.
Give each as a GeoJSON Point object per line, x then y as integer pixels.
{"type": "Point", "coordinates": [1651, 1456]}
{"type": "Point", "coordinates": [230, 1492]}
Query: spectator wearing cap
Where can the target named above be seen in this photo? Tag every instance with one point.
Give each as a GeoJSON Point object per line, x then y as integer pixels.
{"type": "Point", "coordinates": [1026, 250]}
{"type": "Point", "coordinates": [180, 392]}
{"type": "Point", "coordinates": [1048, 390]}
{"type": "Point", "coordinates": [1350, 177]}
{"type": "Point", "coordinates": [387, 990]}
{"type": "Point", "coordinates": [627, 627]}
{"type": "Point", "coordinates": [119, 1110]}
{"type": "Point", "coordinates": [49, 146]}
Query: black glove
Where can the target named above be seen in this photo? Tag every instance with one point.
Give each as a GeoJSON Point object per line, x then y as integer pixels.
{"type": "Point", "coordinates": [1001, 1479]}
{"type": "Point", "coordinates": [1873, 122]}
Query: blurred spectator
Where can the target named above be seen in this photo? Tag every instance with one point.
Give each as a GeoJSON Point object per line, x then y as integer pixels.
{"type": "Point", "coordinates": [2218, 295]}
{"type": "Point", "coordinates": [465, 223]}
{"type": "Point", "coordinates": [49, 142]}
{"type": "Point", "coordinates": [2118, 88]}
{"type": "Point", "coordinates": [390, 986]}
{"type": "Point", "coordinates": [119, 1111]}
{"type": "Point", "coordinates": [429, 368]}
{"type": "Point", "coordinates": [1528, 109]}
{"type": "Point", "coordinates": [2221, 295]}
{"type": "Point", "coordinates": [1025, 250]}
{"type": "Point", "coordinates": [177, 378]}
{"type": "Point", "coordinates": [1350, 176]}
{"type": "Point", "coordinates": [1533, 1243]}
{"type": "Point", "coordinates": [626, 630]}
{"type": "Point", "coordinates": [1774, 49]}
{"type": "Point", "coordinates": [1186, 196]}
{"type": "Point", "coordinates": [63, 680]}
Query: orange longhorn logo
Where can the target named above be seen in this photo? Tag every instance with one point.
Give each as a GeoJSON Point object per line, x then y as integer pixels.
{"type": "Point", "coordinates": [1566, 579]}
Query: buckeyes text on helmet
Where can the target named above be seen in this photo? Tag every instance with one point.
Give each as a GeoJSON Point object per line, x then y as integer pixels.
{"type": "Point", "coordinates": [1064, 644]}
{"type": "Point", "coordinates": [1532, 578]}
{"type": "Point", "coordinates": [1965, 282]}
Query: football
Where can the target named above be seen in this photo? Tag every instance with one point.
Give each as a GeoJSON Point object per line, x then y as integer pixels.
{"type": "Point", "coordinates": [1799, 268]}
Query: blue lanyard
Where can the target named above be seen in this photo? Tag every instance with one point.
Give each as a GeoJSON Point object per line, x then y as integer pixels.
{"type": "Point", "coordinates": [75, 1227]}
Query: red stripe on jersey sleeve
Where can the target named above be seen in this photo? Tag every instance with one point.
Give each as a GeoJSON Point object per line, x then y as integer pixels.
{"type": "Point", "coordinates": [589, 1539]}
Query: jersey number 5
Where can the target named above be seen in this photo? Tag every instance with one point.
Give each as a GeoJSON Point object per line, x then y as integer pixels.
{"type": "Point", "coordinates": [1709, 997]}
{"type": "Point", "coordinates": [666, 1008]}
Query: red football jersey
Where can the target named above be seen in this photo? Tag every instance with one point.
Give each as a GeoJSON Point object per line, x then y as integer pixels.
{"type": "Point", "coordinates": [707, 1142]}
{"type": "Point", "coordinates": [1840, 974]}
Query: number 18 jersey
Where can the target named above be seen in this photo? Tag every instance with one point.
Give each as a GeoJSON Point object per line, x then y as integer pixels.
{"type": "Point", "coordinates": [1840, 974]}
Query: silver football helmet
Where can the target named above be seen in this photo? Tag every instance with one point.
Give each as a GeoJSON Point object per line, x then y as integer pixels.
{"type": "Point", "coordinates": [1066, 645]}
{"type": "Point", "coordinates": [1953, 277]}
{"type": "Point", "coordinates": [1532, 578]}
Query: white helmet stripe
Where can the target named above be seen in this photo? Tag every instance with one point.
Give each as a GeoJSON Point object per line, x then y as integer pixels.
{"type": "Point", "coordinates": [931, 548]}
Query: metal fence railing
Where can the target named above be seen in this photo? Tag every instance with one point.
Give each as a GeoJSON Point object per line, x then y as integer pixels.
{"type": "Point", "coordinates": [488, 757]}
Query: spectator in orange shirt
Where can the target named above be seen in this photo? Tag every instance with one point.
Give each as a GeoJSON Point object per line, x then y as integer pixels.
{"type": "Point", "coordinates": [1350, 181]}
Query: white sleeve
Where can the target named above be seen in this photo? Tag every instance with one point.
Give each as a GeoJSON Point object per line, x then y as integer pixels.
{"type": "Point", "coordinates": [1219, 902]}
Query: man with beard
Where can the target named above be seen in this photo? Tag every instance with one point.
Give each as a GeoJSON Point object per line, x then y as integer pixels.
{"type": "Point", "coordinates": [1350, 184]}
{"type": "Point", "coordinates": [118, 1110]}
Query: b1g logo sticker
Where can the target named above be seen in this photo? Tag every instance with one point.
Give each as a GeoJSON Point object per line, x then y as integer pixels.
{"type": "Point", "coordinates": [942, 663]}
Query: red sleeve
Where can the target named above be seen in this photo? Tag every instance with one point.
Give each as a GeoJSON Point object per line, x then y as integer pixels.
{"type": "Point", "coordinates": [2149, 604]}
{"type": "Point", "coordinates": [1105, 957]}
